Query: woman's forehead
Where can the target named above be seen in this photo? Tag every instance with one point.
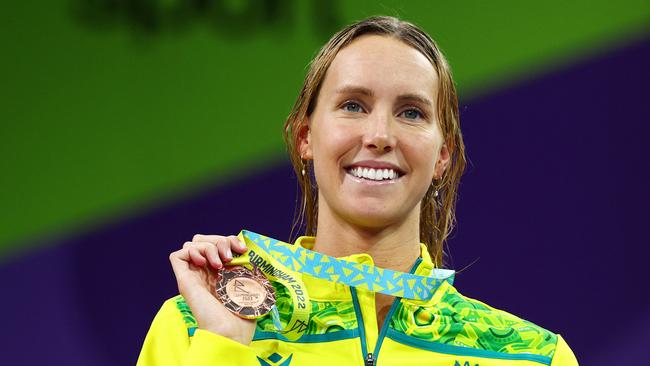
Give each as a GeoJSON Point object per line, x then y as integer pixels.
{"type": "Point", "coordinates": [383, 65]}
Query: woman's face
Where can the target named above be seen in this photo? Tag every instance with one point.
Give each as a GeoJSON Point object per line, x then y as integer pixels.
{"type": "Point", "coordinates": [373, 136]}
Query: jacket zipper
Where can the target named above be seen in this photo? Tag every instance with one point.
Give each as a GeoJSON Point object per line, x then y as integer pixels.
{"type": "Point", "coordinates": [362, 329]}
{"type": "Point", "coordinates": [369, 360]}
{"type": "Point", "coordinates": [371, 357]}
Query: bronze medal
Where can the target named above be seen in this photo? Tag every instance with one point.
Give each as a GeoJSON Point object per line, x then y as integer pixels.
{"type": "Point", "coordinates": [249, 294]}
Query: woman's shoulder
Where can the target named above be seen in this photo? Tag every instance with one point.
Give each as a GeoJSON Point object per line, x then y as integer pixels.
{"type": "Point", "coordinates": [465, 309]}
{"type": "Point", "coordinates": [460, 321]}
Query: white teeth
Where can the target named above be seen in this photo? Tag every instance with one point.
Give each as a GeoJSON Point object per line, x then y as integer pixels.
{"type": "Point", "coordinates": [373, 174]}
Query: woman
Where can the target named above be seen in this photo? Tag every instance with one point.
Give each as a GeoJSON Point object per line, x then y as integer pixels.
{"type": "Point", "coordinates": [376, 125]}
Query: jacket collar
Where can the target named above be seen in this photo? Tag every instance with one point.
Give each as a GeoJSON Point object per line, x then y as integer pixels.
{"type": "Point", "coordinates": [329, 291]}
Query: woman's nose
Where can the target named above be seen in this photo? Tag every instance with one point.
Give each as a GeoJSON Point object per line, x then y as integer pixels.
{"type": "Point", "coordinates": [378, 135]}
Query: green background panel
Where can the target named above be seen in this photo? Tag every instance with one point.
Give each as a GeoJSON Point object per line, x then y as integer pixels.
{"type": "Point", "coordinates": [104, 113]}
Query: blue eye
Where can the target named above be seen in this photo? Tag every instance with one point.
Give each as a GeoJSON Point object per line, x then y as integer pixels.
{"type": "Point", "coordinates": [412, 114]}
{"type": "Point", "coordinates": [352, 107]}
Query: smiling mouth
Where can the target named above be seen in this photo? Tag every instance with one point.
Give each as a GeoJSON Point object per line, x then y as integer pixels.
{"type": "Point", "coordinates": [374, 174]}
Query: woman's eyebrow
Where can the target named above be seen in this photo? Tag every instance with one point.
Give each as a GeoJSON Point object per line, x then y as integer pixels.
{"type": "Point", "coordinates": [409, 97]}
{"type": "Point", "coordinates": [415, 98]}
{"type": "Point", "coordinates": [354, 89]}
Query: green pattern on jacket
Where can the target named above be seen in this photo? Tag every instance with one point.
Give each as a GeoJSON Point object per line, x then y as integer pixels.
{"type": "Point", "coordinates": [461, 321]}
{"type": "Point", "coordinates": [455, 320]}
{"type": "Point", "coordinates": [326, 316]}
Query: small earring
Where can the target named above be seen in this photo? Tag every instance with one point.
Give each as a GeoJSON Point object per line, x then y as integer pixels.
{"type": "Point", "coordinates": [435, 192]}
{"type": "Point", "coordinates": [303, 168]}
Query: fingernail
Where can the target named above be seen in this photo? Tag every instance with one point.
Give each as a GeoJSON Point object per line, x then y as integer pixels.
{"type": "Point", "coordinates": [228, 254]}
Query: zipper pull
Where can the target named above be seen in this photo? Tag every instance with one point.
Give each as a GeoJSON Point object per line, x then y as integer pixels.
{"type": "Point", "coordinates": [369, 360]}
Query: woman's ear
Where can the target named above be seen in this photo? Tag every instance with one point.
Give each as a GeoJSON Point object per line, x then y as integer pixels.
{"type": "Point", "coordinates": [443, 161]}
{"type": "Point", "coordinates": [304, 141]}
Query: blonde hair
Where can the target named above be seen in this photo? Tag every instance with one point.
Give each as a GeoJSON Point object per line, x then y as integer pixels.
{"type": "Point", "coordinates": [437, 214]}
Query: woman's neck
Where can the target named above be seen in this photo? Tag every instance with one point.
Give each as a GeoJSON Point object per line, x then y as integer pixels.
{"type": "Point", "coordinates": [394, 247]}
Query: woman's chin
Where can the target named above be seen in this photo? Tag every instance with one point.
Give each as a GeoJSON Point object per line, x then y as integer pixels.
{"type": "Point", "coordinates": [374, 217]}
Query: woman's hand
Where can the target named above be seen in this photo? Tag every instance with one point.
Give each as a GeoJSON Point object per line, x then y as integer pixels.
{"type": "Point", "coordinates": [196, 267]}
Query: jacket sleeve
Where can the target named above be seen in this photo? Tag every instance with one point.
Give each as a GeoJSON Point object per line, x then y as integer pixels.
{"type": "Point", "coordinates": [563, 355]}
{"type": "Point", "coordinates": [168, 343]}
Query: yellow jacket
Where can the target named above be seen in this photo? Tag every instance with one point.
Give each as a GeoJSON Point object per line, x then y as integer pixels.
{"type": "Point", "coordinates": [450, 329]}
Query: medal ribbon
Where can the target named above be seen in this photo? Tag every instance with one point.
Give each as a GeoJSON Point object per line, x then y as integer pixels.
{"type": "Point", "coordinates": [283, 262]}
{"type": "Point", "coordinates": [275, 271]}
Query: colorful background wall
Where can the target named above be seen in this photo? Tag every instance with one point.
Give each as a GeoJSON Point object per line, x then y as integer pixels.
{"type": "Point", "coordinates": [127, 126]}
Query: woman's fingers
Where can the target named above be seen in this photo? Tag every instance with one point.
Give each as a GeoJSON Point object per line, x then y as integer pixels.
{"type": "Point", "coordinates": [197, 257]}
{"type": "Point", "coordinates": [212, 255]}
{"type": "Point", "coordinates": [214, 250]}
{"type": "Point", "coordinates": [224, 250]}
{"type": "Point", "coordinates": [207, 238]}
{"type": "Point", "coordinates": [236, 245]}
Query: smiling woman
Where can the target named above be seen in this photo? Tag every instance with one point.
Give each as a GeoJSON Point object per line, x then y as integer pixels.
{"type": "Point", "coordinates": [375, 112]}
{"type": "Point", "coordinates": [375, 141]}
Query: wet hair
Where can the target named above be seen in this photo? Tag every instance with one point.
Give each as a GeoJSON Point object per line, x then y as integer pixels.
{"type": "Point", "coordinates": [437, 213]}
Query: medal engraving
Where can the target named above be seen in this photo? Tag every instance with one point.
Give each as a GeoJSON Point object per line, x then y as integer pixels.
{"type": "Point", "coordinates": [248, 294]}
{"type": "Point", "coordinates": [245, 292]}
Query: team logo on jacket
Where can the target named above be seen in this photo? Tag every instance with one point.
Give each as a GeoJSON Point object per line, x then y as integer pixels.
{"type": "Point", "coordinates": [275, 360]}
{"type": "Point", "coordinates": [466, 363]}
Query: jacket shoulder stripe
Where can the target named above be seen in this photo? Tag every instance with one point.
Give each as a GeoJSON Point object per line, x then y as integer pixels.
{"type": "Point", "coordinates": [186, 313]}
